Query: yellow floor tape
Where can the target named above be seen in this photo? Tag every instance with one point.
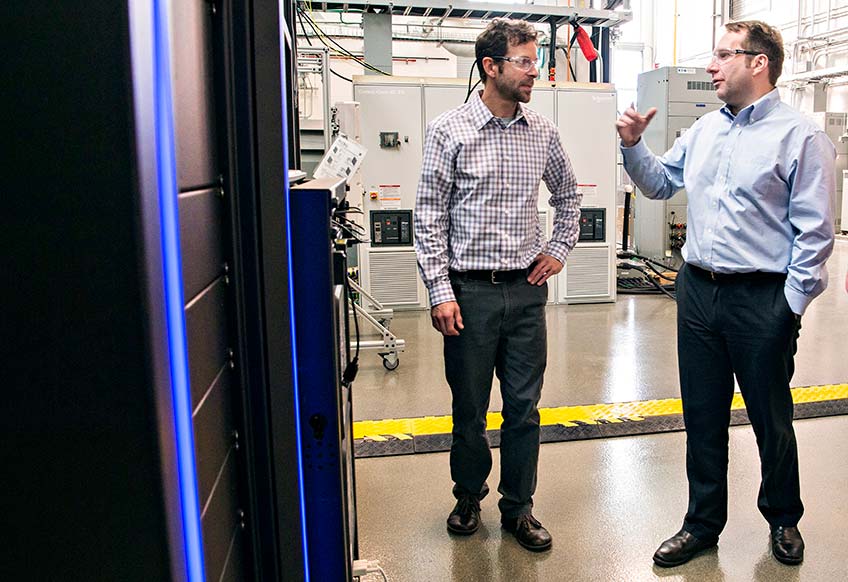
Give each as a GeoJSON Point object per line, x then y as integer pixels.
{"type": "Point", "coordinates": [406, 428]}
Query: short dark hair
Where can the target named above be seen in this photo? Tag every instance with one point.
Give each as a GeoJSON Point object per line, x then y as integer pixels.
{"type": "Point", "coordinates": [500, 34]}
{"type": "Point", "coordinates": [763, 39]}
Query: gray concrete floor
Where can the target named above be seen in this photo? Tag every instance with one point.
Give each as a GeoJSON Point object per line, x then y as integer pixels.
{"type": "Point", "coordinates": [611, 352]}
{"type": "Point", "coordinates": [608, 503]}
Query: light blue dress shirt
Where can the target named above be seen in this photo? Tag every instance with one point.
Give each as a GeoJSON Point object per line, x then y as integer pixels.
{"type": "Point", "coordinates": [760, 185]}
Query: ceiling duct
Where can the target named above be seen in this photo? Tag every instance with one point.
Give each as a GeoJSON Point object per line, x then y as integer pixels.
{"type": "Point", "coordinates": [463, 50]}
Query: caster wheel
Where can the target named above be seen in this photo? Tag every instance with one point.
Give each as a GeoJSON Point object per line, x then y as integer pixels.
{"type": "Point", "coordinates": [391, 363]}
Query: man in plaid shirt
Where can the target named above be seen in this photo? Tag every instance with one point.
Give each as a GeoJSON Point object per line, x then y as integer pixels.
{"type": "Point", "coordinates": [483, 257]}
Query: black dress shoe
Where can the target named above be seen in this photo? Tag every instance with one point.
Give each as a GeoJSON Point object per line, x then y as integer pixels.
{"type": "Point", "coordinates": [680, 548]}
{"type": "Point", "coordinates": [787, 545]}
{"type": "Point", "coordinates": [528, 531]}
{"type": "Point", "coordinates": [465, 517]}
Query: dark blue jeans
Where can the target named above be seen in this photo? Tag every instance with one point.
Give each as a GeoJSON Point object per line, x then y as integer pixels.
{"type": "Point", "coordinates": [504, 334]}
{"type": "Point", "coordinates": [742, 326]}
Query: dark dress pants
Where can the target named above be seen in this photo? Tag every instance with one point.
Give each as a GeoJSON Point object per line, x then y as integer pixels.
{"type": "Point", "coordinates": [738, 325]}
{"type": "Point", "coordinates": [504, 333]}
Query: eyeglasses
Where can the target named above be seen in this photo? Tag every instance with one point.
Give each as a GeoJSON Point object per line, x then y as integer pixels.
{"type": "Point", "coordinates": [521, 63]}
{"type": "Point", "coordinates": [721, 56]}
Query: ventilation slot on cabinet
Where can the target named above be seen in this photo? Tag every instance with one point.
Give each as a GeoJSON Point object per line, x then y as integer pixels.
{"type": "Point", "coordinates": [741, 9]}
{"type": "Point", "coordinates": [699, 86]}
{"type": "Point", "coordinates": [587, 272]}
{"type": "Point", "coordinates": [394, 277]}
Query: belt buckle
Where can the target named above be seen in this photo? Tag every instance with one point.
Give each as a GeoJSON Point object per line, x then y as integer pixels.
{"type": "Point", "coordinates": [493, 278]}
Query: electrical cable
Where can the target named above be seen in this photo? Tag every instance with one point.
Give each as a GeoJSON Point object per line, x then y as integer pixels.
{"type": "Point", "coordinates": [632, 255]}
{"type": "Point", "coordinates": [346, 230]}
{"type": "Point", "coordinates": [651, 280]}
{"type": "Point", "coordinates": [341, 76]}
{"type": "Point", "coordinates": [352, 367]}
{"type": "Point", "coordinates": [658, 272]}
{"type": "Point", "coordinates": [346, 221]}
{"type": "Point", "coordinates": [568, 60]}
{"type": "Point", "coordinates": [646, 284]}
{"type": "Point", "coordinates": [318, 32]}
{"type": "Point", "coordinates": [340, 217]}
{"type": "Point", "coordinates": [637, 285]}
{"type": "Point", "coordinates": [306, 36]}
{"type": "Point", "coordinates": [340, 49]}
{"type": "Point", "coordinates": [470, 74]}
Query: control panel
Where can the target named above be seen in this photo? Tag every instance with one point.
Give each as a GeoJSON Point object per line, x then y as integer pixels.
{"type": "Point", "coordinates": [391, 228]}
{"type": "Point", "coordinates": [592, 225]}
{"type": "Point", "coordinates": [676, 235]}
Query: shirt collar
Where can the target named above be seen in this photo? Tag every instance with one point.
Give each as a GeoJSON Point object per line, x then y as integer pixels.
{"type": "Point", "coordinates": [481, 115]}
{"type": "Point", "coordinates": [759, 108]}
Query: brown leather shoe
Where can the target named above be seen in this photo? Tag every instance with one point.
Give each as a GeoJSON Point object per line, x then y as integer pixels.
{"type": "Point", "coordinates": [465, 517]}
{"type": "Point", "coordinates": [528, 531]}
{"type": "Point", "coordinates": [680, 548]}
{"type": "Point", "coordinates": [787, 546]}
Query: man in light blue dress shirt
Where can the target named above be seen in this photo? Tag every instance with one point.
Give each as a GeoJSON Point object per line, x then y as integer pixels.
{"type": "Point", "coordinates": [760, 181]}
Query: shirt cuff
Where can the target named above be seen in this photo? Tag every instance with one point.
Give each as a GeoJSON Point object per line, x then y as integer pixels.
{"type": "Point", "coordinates": [557, 250]}
{"type": "Point", "coordinates": [441, 292]}
{"type": "Point", "coordinates": [637, 152]}
{"type": "Point", "coordinates": [798, 302]}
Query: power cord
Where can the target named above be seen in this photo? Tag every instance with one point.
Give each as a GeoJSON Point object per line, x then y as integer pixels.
{"type": "Point", "coordinates": [339, 48]}
{"type": "Point", "coordinates": [362, 568]}
{"type": "Point", "coordinates": [470, 88]}
{"type": "Point", "coordinates": [352, 368]}
{"type": "Point", "coordinates": [650, 282]}
{"type": "Point", "coordinates": [353, 231]}
{"type": "Point", "coordinates": [632, 255]}
{"type": "Point", "coordinates": [349, 229]}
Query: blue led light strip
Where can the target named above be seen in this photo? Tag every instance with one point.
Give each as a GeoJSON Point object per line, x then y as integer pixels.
{"type": "Point", "coordinates": [174, 304]}
{"type": "Point", "coordinates": [286, 194]}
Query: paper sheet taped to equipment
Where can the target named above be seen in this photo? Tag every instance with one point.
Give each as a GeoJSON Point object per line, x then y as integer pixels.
{"type": "Point", "coordinates": [342, 160]}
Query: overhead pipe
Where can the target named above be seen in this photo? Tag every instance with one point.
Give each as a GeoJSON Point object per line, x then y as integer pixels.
{"type": "Point", "coordinates": [829, 13]}
{"type": "Point", "coordinates": [813, 76]}
{"type": "Point", "coordinates": [827, 51]}
{"type": "Point", "coordinates": [605, 55]}
{"type": "Point", "coordinates": [552, 55]}
{"type": "Point", "coordinates": [674, 42]}
{"type": "Point", "coordinates": [465, 51]}
{"type": "Point", "coordinates": [804, 42]}
{"type": "Point", "coordinates": [593, 72]}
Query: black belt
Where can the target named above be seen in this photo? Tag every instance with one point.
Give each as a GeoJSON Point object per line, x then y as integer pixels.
{"type": "Point", "coordinates": [495, 277]}
{"type": "Point", "coordinates": [751, 275]}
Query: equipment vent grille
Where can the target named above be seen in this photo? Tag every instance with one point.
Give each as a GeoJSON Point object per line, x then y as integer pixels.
{"type": "Point", "coordinates": [740, 9]}
{"type": "Point", "coordinates": [699, 86]}
{"type": "Point", "coordinates": [394, 277]}
{"type": "Point", "coordinates": [587, 272]}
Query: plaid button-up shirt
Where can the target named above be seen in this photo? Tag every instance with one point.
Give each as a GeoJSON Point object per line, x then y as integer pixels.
{"type": "Point", "coordinates": [478, 194]}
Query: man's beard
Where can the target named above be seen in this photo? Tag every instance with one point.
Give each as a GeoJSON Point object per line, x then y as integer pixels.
{"type": "Point", "coordinates": [512, 91]}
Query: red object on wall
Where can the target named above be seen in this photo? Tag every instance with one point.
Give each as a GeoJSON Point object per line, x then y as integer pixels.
{"type": "Point", "coordinates": [585, 43]}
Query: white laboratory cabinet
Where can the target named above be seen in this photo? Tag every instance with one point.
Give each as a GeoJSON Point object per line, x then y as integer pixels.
{"type": "Point", "coordinates": [394, 115]}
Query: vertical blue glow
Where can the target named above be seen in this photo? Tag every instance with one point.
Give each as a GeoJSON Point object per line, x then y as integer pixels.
{"type": "Point", "coordinates": [286, 193]}
{"type": "Point", "coordinates": [174, 304]}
